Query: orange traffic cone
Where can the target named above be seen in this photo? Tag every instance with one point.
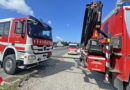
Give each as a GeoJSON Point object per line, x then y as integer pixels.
{"type": "Point", "coordinates": [1, 79]}
{"type": "Point", "coordinates": [1, 82]}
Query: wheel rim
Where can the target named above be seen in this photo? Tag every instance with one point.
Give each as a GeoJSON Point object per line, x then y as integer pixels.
{"type": "Point", "coordinates": [8, 64]}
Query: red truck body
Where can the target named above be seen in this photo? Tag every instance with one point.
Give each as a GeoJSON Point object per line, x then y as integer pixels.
{"type": "Point", "coordinates": [118, 26]}
{"type": "Point", "coordinates": [116, 60]}
{"type": "Point", "coordinates": [29, 46]}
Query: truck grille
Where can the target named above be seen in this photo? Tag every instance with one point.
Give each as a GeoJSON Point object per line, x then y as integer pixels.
{"type": "Point", "coordinates": [39, 49]}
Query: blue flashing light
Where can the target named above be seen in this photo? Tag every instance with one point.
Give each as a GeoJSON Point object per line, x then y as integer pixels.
{"type": "Point", "coordinates": [44, 24]}
{"type": "Point", "coordinates": [126, 4]}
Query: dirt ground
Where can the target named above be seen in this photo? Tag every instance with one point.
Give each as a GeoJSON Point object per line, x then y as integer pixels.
{"type": "Point", "coordinates": [61, 74]}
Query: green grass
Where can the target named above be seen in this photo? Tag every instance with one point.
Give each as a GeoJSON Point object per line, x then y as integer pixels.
{"type": "Point", "coordinates": [19, 80]}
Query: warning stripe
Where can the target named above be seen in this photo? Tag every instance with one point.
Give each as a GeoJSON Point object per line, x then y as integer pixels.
{"type": "Point", "coordinates": [16, 44]}
{"type": "Point", "coordinates": [106, 77]}
{"type": "Point", "coordinates": [96, 58]}
{"type": "Point", "coordinates": [20, 48]}
{"type": "Point", "coordinates": [107, 62]}
{"type": "Point", "coordinates": [107, 54]}
{"type": "Point", "coordinates": [107, 51]}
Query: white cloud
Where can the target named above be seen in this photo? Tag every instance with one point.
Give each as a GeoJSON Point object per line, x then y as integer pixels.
{"type": "Point", "coordinates": [18, 5]}
{"type": "Point", "coordinates": [49, 22]}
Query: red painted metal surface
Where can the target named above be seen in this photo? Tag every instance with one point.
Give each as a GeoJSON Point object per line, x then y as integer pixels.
{"type": "Point", "coordinates": [20, 48]}
{"type": "Point", "coordinates": [116, 25]}
{"type": "Point", "coordinates": [103, 41]}
{"type": "Point", "coordinates": [17, 41]}
{"type": "Point", "coordinates": [17, 38]}
{"type": "Point", "coordinates": [127, 8]}
{"type": "Point", "coordinates": [49, 54]}
{"type": "Point", "coordinates": [96, 63]}
{"type": "Point", "coordinates": [41, 42]}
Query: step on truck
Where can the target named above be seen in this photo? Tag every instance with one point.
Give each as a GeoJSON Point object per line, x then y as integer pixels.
{"type": "Point", "coordinates": [24, 42]}
{"type": "Point", "coordinates": [106, 44]}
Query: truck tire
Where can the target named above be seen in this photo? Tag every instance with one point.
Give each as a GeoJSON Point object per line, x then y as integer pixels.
{"type": "Point", "coordinates": [127, 86]}
{"type": "Point", "coordinates": [117, 83]}
{"type": "Point", "coordinates": [9, 64]}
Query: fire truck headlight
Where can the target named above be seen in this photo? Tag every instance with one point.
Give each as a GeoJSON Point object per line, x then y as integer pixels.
{"type": "Point", "coordinates": [31, 57]}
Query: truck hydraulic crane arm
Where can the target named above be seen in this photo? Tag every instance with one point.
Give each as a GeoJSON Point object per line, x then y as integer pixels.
{"type": "Point", "coordinates": [92, 20]}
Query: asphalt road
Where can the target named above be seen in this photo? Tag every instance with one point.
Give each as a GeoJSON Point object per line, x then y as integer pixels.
{"type": "Point", "coordinates": [57, 52]}
{"type": "Point", "coordinates": [61, 74]}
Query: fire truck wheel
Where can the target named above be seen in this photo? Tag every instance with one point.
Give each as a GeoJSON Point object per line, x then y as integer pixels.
{"type": "Point", "coordinates": [127, 86]}
{"type": "Point", "coordinates": [9, 64]}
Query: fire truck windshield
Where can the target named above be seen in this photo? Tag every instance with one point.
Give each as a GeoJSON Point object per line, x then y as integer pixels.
{"type": "Point", "coordinates": [37, 30]}
{"type": "Point", "coordinates": [72, 46]}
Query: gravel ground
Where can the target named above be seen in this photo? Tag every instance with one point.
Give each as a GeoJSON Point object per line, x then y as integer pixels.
{"type": "Point", "coordinates": [63, 75]}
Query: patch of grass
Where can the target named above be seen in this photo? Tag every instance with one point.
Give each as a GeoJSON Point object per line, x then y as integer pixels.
{"type": "Point", "coordinates": [10, 79]}
{"type": "Point", "coordinates": [17, 82]}
{"type": "Point", "coordinates": [8, 87]}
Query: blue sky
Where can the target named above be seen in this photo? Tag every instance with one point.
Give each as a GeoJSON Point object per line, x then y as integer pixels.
{"type": "Point", "coordinates": [64, 16]}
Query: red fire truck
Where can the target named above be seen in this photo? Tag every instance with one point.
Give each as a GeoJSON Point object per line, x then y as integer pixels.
{"type": "Point", "coordinates": [72, 49]}
{"type": "Point", "coordinates": [24, 42]}
{"type": "Point", "coordinates": [105, 47]}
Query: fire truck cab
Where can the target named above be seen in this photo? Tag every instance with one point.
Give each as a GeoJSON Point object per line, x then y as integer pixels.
{"type": "Point", "coordinates": [72, 48]}
{"type": "Point", "coordinates": [24, 42]}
